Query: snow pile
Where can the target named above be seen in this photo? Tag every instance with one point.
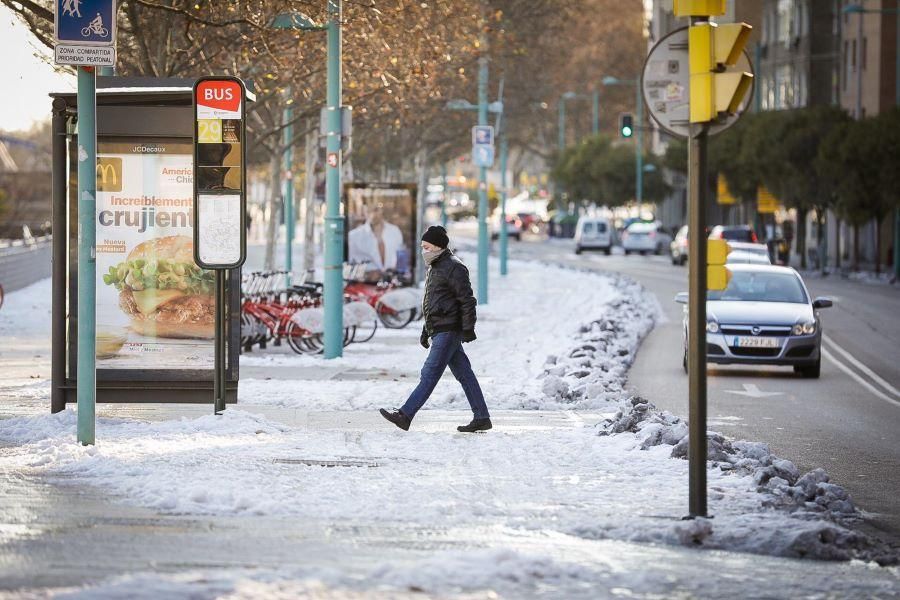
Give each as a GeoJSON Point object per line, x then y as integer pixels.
{"type": "Point", "coordinates": [821, 508]}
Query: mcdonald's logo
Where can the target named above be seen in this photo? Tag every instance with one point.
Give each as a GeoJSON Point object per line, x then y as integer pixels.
{"type": "Point", "coordinates": [109, 174]}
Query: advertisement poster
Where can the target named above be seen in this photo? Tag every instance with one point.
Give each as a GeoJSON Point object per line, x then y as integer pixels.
{"type": "Point", "coordinates": [382, 229]}
{"type": "Point", "coordinates": [155, 307]}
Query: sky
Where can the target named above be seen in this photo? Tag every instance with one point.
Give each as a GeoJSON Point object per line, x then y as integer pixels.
{"type": "Point", "coordinates": [27, 75]}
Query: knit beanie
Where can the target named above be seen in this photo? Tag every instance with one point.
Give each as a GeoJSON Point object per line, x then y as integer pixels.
{"type": "Point", "coordinates": [436, 235]}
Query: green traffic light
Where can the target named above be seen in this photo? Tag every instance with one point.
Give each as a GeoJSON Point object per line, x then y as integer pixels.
{"type": "Point", "coordinates": [626, 131]}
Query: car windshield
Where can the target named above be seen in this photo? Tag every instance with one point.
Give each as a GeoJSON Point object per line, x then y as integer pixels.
{"type": "Point", "coordinates": [761, 286]}
{"type": "Point", "coordinates": [641, 227]}
{"type": "Point", "coordinates": [737, 235]}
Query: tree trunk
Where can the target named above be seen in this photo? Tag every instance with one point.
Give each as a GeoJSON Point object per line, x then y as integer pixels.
{"type": "Point", "coordinates": [822, 229]}
{"type": "Point", "coordinates": [837, 243]}
{"type": "Point", "coordinates": [274, 211]}
{"type": "Point", "coordinates": [801, 237]}
{"type": "Point", "coordinates": [878, 245]}
{"type": "Point", "coordinates": [856, 247]}
{"type": "Point", "coordinates": [309, 193]}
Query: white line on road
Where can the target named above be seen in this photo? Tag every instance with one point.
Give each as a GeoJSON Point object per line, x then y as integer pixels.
{"type": "Point", "coordinates": [859, 365]}
{"type": "Point", "coordinates": [752, 390]}
{"type": "Point", "coordinates": [859, 378]}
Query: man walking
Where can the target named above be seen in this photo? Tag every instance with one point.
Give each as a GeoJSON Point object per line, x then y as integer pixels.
{"type": "Point", "coordinates": [449, 308]}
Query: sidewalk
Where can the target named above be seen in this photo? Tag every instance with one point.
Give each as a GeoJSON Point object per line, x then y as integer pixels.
{"type": "Point", "coordinates": [303, 490]}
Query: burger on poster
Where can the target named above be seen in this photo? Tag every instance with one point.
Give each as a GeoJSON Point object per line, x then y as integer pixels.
{"type": "Point", "coordinates": [163, 291]}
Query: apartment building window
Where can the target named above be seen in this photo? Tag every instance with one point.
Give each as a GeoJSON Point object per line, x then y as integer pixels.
{"type": "Point", "coordinates": [784, 87]}
{"type": "Point", "coordinates": [785, 20]}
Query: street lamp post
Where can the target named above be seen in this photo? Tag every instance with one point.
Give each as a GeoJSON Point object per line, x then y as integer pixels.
{"type": "Point", "coordinates": [334, 224]}
{"type": "Point", "coordinates": [288, 119]}
{"type": "Point", "coordinates": [639, 137]}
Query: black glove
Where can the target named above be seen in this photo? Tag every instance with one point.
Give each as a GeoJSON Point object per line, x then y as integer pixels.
{"type": "Point", "coordinates": [423, 339]}
{"type": "Point", "coordinates": [469, 336]}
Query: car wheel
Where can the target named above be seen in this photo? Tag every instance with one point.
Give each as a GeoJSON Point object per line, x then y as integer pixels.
{"type": "Point", "coordinates": [608, 250]}
{"type": "Point", "coordinates": [682, 260]}
{"type": "Point", "coordinates": [811, 372]}
{"type": "Point", "coordinates": [577, 249]}
{"type": "Point", "coordinates": [518, 237]}
{"type": "Point", "coordinates": [627, 252]}
{"type": "Point", "coordinates": [674, 260]}
{"type": "Point", "coordinates": [643, 252]}
{"type": "Point", "coordinates": [658, 250]}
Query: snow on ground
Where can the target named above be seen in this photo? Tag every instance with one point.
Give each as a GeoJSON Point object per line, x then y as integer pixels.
{"type": "Point", "coordinates": [551, 339]}
{"type": "Point", "coordinates": [530, 316]}
{"type": "Point", "coordinates": [26, 312]}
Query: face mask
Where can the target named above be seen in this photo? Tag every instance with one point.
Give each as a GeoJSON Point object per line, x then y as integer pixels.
{"type": "Point", "coordinates": [432, 255]}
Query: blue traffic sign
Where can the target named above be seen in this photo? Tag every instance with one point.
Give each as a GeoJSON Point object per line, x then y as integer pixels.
{"type": "Point", "coordinates": [482, 135]}
{"type": "Point", "coordinates": [85, 22]}
{"type": "Point", "coordinates": [482, 155]}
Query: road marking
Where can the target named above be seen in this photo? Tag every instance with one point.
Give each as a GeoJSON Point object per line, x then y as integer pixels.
{"type": "Point", "coordinates": [858, 378]}
{"type": "Point", "coordinates": [859, 365]}
{"type": "Point", "coordinates": [752, 390]}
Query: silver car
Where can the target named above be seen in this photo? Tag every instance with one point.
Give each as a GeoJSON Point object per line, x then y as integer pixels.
{"type": "Point", "coordinates": [764, 317]}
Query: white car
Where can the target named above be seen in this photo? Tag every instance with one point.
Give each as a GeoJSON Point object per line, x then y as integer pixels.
{"type": "Point", "coordinates": [593, 233]}
{"type": "Point", "coordinates": [764, 317]}
{"type": "Point", "coordinates": [743, 252]}
{"type": "Point", "coordinates": [646, 237]}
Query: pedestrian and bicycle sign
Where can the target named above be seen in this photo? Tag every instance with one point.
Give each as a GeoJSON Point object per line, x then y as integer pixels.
{"type": "Point", "coordinates": [84, 32]}
{"type": "Point", "coordinates": [483, 156]}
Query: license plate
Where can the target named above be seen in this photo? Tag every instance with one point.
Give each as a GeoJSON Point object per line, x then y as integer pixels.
{"type": "Point", "coordinates": [757, 342]}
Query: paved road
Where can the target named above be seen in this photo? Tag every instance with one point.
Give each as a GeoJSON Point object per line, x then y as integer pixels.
{"type": "Point", "coordinates": [848, 421]}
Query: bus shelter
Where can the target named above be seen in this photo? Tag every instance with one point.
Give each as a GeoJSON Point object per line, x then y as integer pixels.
{"type": "Point", "coordinates": [155, 306]}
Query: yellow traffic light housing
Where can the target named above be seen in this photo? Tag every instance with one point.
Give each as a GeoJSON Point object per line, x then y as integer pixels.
{"type": "Point", "coordinates": [712, 50]}
{"type": "Point", "coordinates": [699, 8]}
{"type": "Point", "coordinates": [717, 274]}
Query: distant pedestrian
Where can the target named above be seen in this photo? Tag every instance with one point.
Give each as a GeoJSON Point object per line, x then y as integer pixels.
{"type": "Point", "coordinates": [449, 307]}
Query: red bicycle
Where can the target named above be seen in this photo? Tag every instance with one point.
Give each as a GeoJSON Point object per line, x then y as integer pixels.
{"type": "Point", "coordinates": [395, 306]}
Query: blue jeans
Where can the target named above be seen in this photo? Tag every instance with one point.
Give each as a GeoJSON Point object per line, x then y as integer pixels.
{"type": "Point", "coordinates": [447, 350]}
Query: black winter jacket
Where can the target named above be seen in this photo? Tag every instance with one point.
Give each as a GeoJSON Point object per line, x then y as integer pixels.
{"type": "Point", "coordinates": [449, 304]}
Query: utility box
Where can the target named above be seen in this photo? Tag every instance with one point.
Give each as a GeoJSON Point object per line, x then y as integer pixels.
{"type": "Point", "coordinates": [155, 306]}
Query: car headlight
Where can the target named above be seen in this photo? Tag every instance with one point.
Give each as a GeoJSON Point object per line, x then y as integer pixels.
{"type": "Point", "coordinates": [712, 327]}
{"type": "Point", "coordinates": [804, 328]}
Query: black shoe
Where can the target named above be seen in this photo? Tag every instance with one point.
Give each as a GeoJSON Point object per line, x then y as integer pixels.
{"type": "Point", "coordinates": [475, 425]}
{"type": "Point", "coordinates": [399, 419]}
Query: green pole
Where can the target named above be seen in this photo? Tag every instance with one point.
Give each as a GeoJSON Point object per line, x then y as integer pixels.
{"type": "Point", "coordinates": [504, 236]}
{"type": "Point", "coordinates": [444, 195]}
{"type": "Point", "coordinates": [334, 224]}
{"type": "Point", "coordinates": [482, 186]}
{"type": "Point", "coordinates": [639, 146]}
{"type": "Point", "coordinates": [288, 188]}
{"type": "Point", "coordinates": [595, 114]}
{"type": "Point", "coordinates": [87, 264]}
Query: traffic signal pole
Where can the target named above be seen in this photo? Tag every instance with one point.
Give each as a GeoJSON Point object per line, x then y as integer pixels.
{"type": "Point", "coordinates": [697, 193]}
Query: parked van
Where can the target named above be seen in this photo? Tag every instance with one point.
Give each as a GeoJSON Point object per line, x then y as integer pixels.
{"type": "Point", "coordinates": [593, 233]}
